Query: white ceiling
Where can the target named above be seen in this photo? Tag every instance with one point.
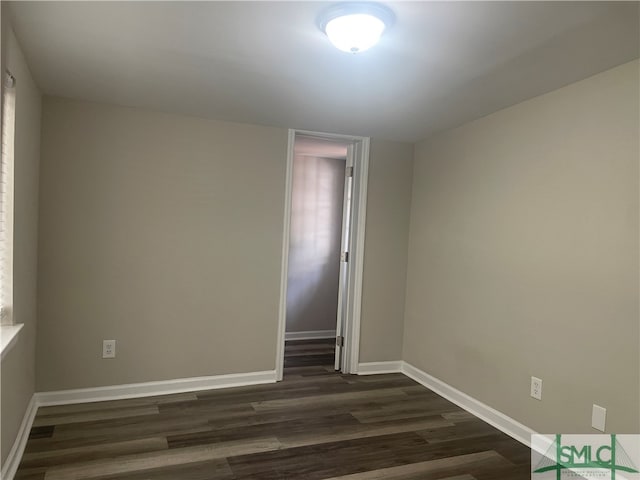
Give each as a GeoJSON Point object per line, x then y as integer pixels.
{"type": "Point", "coordinates": [440, 65]}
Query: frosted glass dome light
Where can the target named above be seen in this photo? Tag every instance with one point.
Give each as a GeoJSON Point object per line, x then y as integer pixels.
{"type": "Point", "coordinates": [355, 27]}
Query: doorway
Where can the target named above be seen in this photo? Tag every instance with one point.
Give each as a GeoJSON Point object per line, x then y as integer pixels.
{"type": "Point", "coordinates": [323, 242]}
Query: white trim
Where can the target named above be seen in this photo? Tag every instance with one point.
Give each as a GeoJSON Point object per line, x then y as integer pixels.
{"type": "Point", "coordinates": [330, 136]}
{"type": "Point", "coordinates": [375, 368]}
{"type": "Point", "coordinates": [310, 335]}
{"type": "Point", "coordinates": [284, 269]}
{"type": "Point", "coordinates": [10, 465]}
{"type": "Point", "coordinates": [148, 389]}
{"type": "Point", "coordinates": [361, 177]}
{"type": "Point", "coordinates": [121, 392]}
{"type": "Point", "coordinates": [8, 337]}
{"type": "Point", "coordinates": [493, 417]}
{"type": "Point", "coordinates": [359, 212]}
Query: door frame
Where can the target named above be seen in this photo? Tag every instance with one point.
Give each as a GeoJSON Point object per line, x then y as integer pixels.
{"type": "Point", "coordinates": [356, 255]}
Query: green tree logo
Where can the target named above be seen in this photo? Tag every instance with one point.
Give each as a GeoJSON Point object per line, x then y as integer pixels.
{"type": "Point", "coordinates": [610, 457]}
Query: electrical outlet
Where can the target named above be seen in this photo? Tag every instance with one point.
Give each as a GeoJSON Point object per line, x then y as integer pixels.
{"type": "Point", "coordinates": [598, 417]}
{"type": "Point", "coordinates": [108, 349]}
{"type": "Point", "coordinates": [536, 388]}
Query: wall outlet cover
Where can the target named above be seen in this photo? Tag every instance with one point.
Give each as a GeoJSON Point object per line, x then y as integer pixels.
{"type": "Point", "coordinates": [598, 417]}
{"type": "Point", "coordinates": [536, 388]}
{"type": "Point", "coordinates": [108, 349]}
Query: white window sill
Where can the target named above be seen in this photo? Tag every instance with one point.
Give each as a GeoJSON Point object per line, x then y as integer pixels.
{"type": "Point", "coordinates": [8, 337]}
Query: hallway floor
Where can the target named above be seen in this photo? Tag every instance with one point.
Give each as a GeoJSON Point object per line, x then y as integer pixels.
{"type": "Point", "coordinates": [310, 353]}
{"type": "Point", "coordinates": [316, 424]}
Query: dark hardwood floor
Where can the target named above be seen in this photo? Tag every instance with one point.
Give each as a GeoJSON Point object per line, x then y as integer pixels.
{"type": "Point", "coordinates": [309, 353]}
{"type": "Point", "coordinates": [316, 424]}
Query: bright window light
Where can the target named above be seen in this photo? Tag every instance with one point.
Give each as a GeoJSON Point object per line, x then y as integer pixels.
{"type": "Point", "coordinates": [6, 199]}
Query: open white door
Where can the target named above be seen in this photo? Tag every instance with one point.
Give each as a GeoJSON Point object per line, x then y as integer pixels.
{"type": "Point", "coordinates": [344, 259]}
{"type": "Point", "coordinates": [352, 264]}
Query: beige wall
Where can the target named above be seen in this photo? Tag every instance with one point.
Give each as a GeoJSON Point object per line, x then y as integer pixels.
{"type": "Point", "coordinates": [523, 256]}
{"type": "Point", "coordinates": [314, 247]}
{"type": "Point", "coordinates": [162, 232]}
{"type": "Point", "coordinates": [18, 366]}
{"type": "Point", "coordinates": [385, 250]}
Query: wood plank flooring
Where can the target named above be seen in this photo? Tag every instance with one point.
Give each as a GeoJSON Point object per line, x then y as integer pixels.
{"type": "Point", "coordinates": [309, 353]}
{"type": "Point", "coordinates": [316, 424]}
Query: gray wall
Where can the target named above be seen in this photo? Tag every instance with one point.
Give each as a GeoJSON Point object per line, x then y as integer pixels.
{"type": "Point", "coordinates": [314, 247]}
{"type": "Point", "coordinates": [523, 256]}
{"type": "Point", "coordinates": [18, 366]}
{"type": "Point", "coordinates": [160, 229]}
{"type": "Point", "coordinates": [163, 232]}
{"type": "Point", "coordinates": [385, 251]}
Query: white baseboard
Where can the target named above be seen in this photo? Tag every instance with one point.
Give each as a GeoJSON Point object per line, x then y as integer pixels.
{"type": "Point", "coordinates": [119, 392]}
{"type": "Point", "coordinates": [148, 389]}
{"type": "Point", "coordinates": [310, 335]}
{"type": "Point", "coordinates": [375, 368]}
{"type": "Point", "coordinates": [10, 466]}
{"type": "Point", "coordinates": [493, 417]}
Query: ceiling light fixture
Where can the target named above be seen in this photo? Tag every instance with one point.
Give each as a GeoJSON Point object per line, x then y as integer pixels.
{"type": "Point", "coordinates": [355, 27]}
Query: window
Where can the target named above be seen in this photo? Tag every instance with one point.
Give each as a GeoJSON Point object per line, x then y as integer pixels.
{"type": "Point", "coordinates": [6, 199]}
